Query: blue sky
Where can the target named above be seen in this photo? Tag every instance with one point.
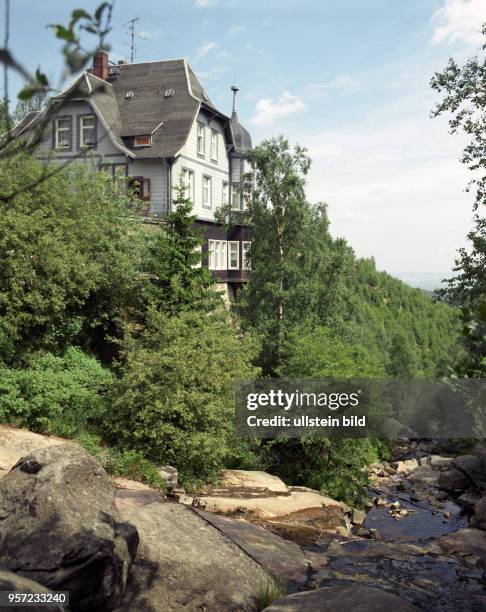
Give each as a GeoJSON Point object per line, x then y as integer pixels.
{"type": "Point", "coordinates": [347, 79]}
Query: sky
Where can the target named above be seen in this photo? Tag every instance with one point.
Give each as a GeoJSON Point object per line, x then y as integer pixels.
{"type": "Point", "coordinates": [347, 79]}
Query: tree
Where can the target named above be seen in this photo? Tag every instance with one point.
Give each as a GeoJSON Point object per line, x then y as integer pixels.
{"type": "Point", "coordinates": [173, 262]}
{"type": "Point", "coordinates": [70, 258]}
{"type": "Point", "coordinates": [24, 107]}
{"type": "Point", "coordinates": [174, 397]}
{"type": "Point", "coordinates": [462, 88]}
{"type": "Point", "coordinates": [290, 252]}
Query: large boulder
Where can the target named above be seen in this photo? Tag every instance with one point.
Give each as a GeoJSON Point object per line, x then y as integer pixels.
{"type": "Point", "coordinates": [252, 480]}
{"type": "Point", "coordinates": [184, 564]}
{"type": "Point", "coordinates": [59, 526]}
{"type": "Point", "coordinates": [479, 518]}
{"type": "Point", "coordinates": [453, 480]}
{"type": "Point", "coordinates": [471, 466]}
{"type": "Point", "coordinates": [12, 582]}
{"type": "Point", "coordinates": [355, 598]}
{"type": "Point", "coordinates": [16, 443]}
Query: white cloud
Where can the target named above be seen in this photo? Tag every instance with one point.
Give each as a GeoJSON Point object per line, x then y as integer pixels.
{"type": "Point", "coordinates": [203, 2]}
{"type": "Point", "coordinates": [459, 20]}
{"type": "Point", "coordinates": [268, 110]}
{"type": "Point", "coordinates": [204, 49]}
{"type": "Point", "coordinates": [395, 188]}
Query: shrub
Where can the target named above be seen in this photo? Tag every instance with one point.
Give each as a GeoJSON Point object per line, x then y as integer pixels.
{"type": "Point", "coordinates": [54, 394]}
{"type": "Point", "coordinates": [174, 399]}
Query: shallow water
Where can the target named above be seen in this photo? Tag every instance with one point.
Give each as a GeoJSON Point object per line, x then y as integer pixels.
{"type": "Point", "coordinates": [424, 523]}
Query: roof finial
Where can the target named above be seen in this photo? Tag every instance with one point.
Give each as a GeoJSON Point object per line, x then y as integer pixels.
{"type": "Point", "coordinates": [235, 89]}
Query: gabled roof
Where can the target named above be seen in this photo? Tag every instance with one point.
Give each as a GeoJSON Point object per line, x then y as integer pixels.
{"type": "Point", "coordinates": [160, 98]}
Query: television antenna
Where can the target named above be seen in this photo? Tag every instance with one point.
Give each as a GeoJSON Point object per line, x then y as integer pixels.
{"type": "Point", "coordinates": [131, 32]}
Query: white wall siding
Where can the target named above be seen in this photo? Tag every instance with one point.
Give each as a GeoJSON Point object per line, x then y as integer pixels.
{"type": "Point", "coordinates": [157, 171]}
{"type": "Point", "coordinates": [104, 152]}
{"type": "Point", "coordinates": [204, 166]}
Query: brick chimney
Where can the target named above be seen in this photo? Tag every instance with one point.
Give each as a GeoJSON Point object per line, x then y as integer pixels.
{"type": "Point", "coordinates": [100, 65]}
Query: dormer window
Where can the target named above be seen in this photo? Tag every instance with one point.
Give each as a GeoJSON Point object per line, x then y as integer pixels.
{"type": "Point", "coordinates": [63, 133]}
{"type": "Point", "coordinates": [142, 141]}
{"type": "Point", "coordinates": [87, 131]}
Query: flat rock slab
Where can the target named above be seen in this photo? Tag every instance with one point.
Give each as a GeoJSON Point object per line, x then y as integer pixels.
{"type": "Point", "coordinates": [266, 507]}
{"type": "Point", "coordinates": [465, 542]}
{"type": "Point", "coordinates": [15, 443]}
{"type": "Point", "coordinates": [184, 563]}
{"type": "Point", "coordinates": [282, 558]}
{"type": "Point", "coordinates": [352, 598]}
{"type": "Point", "coordinates": [253, 479]}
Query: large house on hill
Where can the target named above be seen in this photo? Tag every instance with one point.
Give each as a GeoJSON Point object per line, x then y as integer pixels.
{"type": "Point", "coordinates": [152, 124]}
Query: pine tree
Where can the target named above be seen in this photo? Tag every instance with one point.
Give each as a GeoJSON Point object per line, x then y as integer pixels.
{"type": "Point", "coordinates": [179, 282]}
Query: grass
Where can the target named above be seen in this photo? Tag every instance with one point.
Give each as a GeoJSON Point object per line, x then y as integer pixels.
{"type": "Point", "coordinates": [269, 591]}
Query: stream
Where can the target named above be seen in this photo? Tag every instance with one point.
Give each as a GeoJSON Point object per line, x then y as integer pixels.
{"type": "Point", "coordinates": [400, 546]}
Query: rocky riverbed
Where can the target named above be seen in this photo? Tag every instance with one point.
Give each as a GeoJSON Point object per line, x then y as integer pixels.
{"type": "Point", "coordinates": [420, 544]}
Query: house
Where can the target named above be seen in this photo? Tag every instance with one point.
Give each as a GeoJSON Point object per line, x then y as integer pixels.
{"type": "Point", "coordinates": [152, 125]}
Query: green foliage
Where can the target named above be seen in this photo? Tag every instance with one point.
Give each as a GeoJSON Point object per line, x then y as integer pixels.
{"type": "Point", "coordinates": [174, 399]}
{"type": "Point", "coordinates": [173, 261]}
{"type": "Point", "coordinates": [127, 463]}
{"type": "Point", "coordinates": [290, 252]}
{"type": "Point", "coordinates": [70, 260]}
{"type": "Point", "coordinates": [60, 395]}
{"type": "Point", "coordinates": [333, 466]}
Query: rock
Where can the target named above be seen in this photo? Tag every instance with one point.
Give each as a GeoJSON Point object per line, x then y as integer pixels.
{"type": "Point", "coordinates": [425, 475]}
{"type": "Point", "coordinates": [268, 506]}
{"type": "Point", "coordinates": [60, 526]}
{"type": "Point", "coordinates": [184, 563]}
{"type": "Point", "coordinates": [374, 534]}
{"type": "Point", "coordinates": [465, 542]}
{"type": "Point", "coordinates": [13, 582]}
{"type": "Point", "coordinates": [134, 493]}
{"type": "Point", "coordinates": [358, 517]}
{"type": "Point", "coordinates": [471, 466]}
{"type": "Point", "coordinates": [406, 467]}
{"type": "Point", "coordinates": [453, 480]}
{"type": "Point", "coordinates": [357, 598]}
{"type": "Point", "coordinates": [170, 475]}
{"type": "Point", "coordinates": [438, 462]}
{"type": "Point", "coordinates": [380, 502]}
{"type": "Point", "coordinates": [252, 479]}
{"type": "Point", "coordinates": [15, 443]}
{"type": "Point", "coordinates": [479, 518]}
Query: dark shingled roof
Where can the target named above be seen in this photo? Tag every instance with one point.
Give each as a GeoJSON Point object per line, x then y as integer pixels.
{"type": "Point", "coordinates": [164, 99]}
{"type": "Point", "coordinates": [241, 136]}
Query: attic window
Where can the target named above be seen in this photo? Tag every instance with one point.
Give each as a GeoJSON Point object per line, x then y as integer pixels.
{"type": "Point", "coordinates": [169, 93]}
{"type": "Point", "coordinates": [142, 141]}
{"type": "Point", "coordinates": [129, 94]}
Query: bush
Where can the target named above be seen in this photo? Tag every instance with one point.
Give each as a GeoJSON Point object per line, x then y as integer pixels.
{"type": "Point", "coordinates": [54, 394]}
{"type": "Point", "coordinates": [127, 463]}
{"type": "Point", "coordinates": [174, 399]}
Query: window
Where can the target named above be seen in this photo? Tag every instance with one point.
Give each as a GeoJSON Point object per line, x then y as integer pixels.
{"type": "Point", "coordinates": [188, 182]}
{"type": "Point", "coordinates": [201, 144]}
{"type": "Point", "coordinates": [214, 145]}
{"type": "Point", "coordinates": [120, 177]}
{"type": "Point", "coordinates": [87, 131]}
{"type": "Point", "coordinates": [217, 254]}
{"type": "Point", "coordinates": [245, 246]}
{"type": "Point", "coordinates": [233, 255]}
{"type": "Point", "coordinates": [236, 200]}
{"type": "Point", "coordinates": [206, 191]}
{"type": "Point", "coordinates": [140, 187]}
{"type": "Point", "coordinates": [142, 141]}
{"type": "Point", "coordinates": [63, 133]}
{"type": "Point", "coordinates": [225, 195]}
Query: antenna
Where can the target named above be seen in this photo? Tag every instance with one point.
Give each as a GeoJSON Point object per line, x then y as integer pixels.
{"type": "Point", "coordinates": [131, 31]}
